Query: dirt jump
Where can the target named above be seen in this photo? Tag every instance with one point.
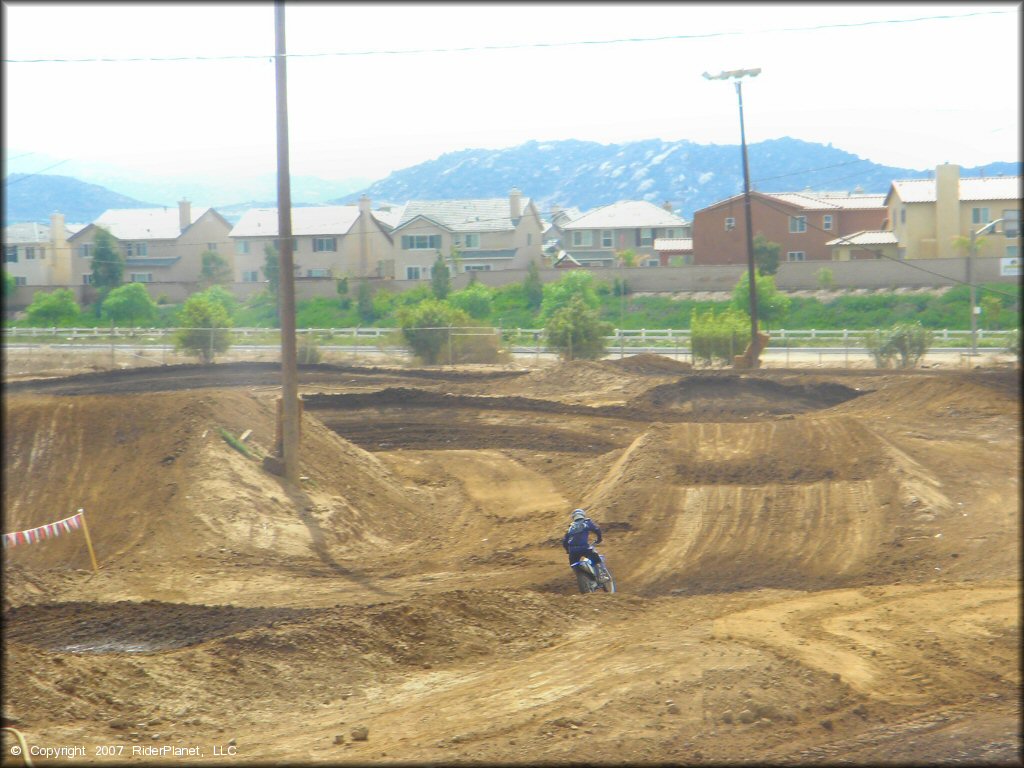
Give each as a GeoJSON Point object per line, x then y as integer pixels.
{"type": "Point", "coordinates": [812, 566]}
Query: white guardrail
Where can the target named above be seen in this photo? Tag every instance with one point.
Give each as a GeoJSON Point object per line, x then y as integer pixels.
{"type": "Point", "coordinates": [640, 337]}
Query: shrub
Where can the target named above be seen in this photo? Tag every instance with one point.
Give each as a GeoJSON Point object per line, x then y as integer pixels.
{"type": "Point", "coordinates": [426, 328]}
{"type": "Point", "coordinates": [577, 332]}
{"type": "Point", "coordinates": [204, 328]}
{"type": "Point", "coordinates": [130, 303]}
{"type": "Point", "coordinates": [718, 336]}
{"type": "Point", "coordinates": [307, 351]}
{"type": "Point", "coordinates": [902, 345]}
{"type": "Point", "coordinates": [826, 280]}
{"type": "Point", "coordinates": [474, 300]}
{"type": "Point", "coordinates": [56, 308]}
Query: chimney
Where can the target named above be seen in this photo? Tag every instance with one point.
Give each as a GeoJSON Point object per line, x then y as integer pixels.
{"type": "Point", "coordinates": [515, 204]}
{"type": "Point", "coordinates": [58, 234]}
{"type": "Point", "coordinates": [184, 214]}
{"type": "Point", "coordinates": [667, 205]}
{"type": "Point", "coordinates": [947, 209]}
{"type": "Point", "coordinates": [364, 204]}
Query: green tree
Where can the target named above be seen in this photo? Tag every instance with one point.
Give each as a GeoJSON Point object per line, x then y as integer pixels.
{"type": "Point", "coordinates": [626, 258]}
{"type": "Point", "coordinates": [10, 285]}
{"type": "Point", "coordinates": [825, 278]}
{"type": "Point", "coordinates": [441, 279]}
{"type": "Point", "coordinates": [131, 304]}
{"type": "Point", "coordinates": [533, 287]}
{"type": "Point", "coordinates": [968, 246]}
{"type": "Point", "coordinates": [427, 326]}
{"type": "Point", "coordinates": [215, 270]}
{"type": "Point", "coordinates": [475, 300]}
{"type": "Point", "coordinates": [107, 261]}
{"type": "Point", "coordinates": [557, 295]}
{"type": "Point", "coordinates": [222, 296]}
{"type": "Point", "coordinates": [576, 331]}
{"type": "Point", "coordinates": [766, 255]}
{"type": "Point", "coordinates": [772, 305]}
{"type": "Point", "coordinates": [364, 302]}
{"type": "Point", "coordinates": [272, 271]}
{"type": "Point", "coordinates": [991, 306]}
{"type": "Point", "coordinates": [904, 344]}
{"type": "Point", "coordinates": [718, 336]}
{"type": "Point", "coordinates": [203, 328]}
{"type": "Point", "coordinates": [57, 308]}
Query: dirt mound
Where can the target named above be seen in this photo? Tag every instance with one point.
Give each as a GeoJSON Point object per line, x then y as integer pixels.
{"type": "Point", "coordinates": [158, 481]}
{"type": "Point", "coordinates": [648, 364]}
{"type": "Point", "coordinates": [725, 397]}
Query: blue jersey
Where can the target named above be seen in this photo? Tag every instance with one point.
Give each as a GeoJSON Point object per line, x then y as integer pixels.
{"type": "Point", "coordinates": [578, 534]}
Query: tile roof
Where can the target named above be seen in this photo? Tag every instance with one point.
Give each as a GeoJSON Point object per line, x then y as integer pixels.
{"type": "Point", "coordinates": [492, 215]}
{"type": "Point", "coordinates": [145, 223]}
{"type": "Point", "coordinates": [28, 232]}
{"type": "Point", "coordinates": [982, 188]}
{"type": "Point", "coordinates": [626, 213]}
{"type": "Point", "coordinates": [306, 220]}
{"type": "Point", "coordinates": [866, 237]}
{"type": "Point", "coordinates": [816, 201]}
{"type": "Point", "coordinates": [673, 243]}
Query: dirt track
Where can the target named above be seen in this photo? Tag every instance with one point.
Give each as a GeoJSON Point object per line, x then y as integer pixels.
{"type": "Point", "coordinates": [813, 566]}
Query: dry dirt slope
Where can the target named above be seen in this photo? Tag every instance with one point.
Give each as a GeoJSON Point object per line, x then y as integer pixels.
{"type": "Point", "coordinates": [805, 575]}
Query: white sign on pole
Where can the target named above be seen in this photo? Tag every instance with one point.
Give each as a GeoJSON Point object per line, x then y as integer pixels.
{"type": "Point", "coordinates": [1009, 266]}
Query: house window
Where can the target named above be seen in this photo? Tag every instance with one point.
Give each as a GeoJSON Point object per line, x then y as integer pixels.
{"type": "Point", "coordinates": [241, 246]}
{"type": "Point", "coordinates": [979, 216]}
{"type": "Point", "coordinates": [652, 263]}
{"type": "Point", "coordinates": [796, 256]}
{"type": "Point", "coordinates": [826, 222]}
{"type": "Point", "coordinates": [606, 238]}
{"type": "Point", "coordinates": [471, 240]}
{"type": "Point", "coordinates": [477, 268]}
{"type": "Point", "coordinates": [325, 244]}
{"type": "Point", "coordinates": [140, 277]}
{"type": "Point", "coordinates": [421, 243]}
{"type": "Point", "coordinates": [211, 247]}
{"type": "Point", "coordinates": [136, 249]}
{"type": "Point", "coordinates": [142, 249]}
{"type": "Point", "coordinates": [11, 254]}
{"type": "Point", "coordinates": [903, 215]}
{"type": "Point", "coordinates": [412, 273]}
{"type": "Point", "coordinates": [20, 280]}
{"type": "Point", "coordinates": [730, 223]}
{"type": "Point", "coordinates": [1012, 251]}
{"type": "Point", "coordinates": [797, 224]}
{"type": "Point", "coordinates": [318, 273]}
{"type": "Point", "coordinates": [646, 236]}
{"type": "Point", "coordinates": [1011, 223]}
{"type": "Point", "coordinates": [30, 253]}
{"type": "Point", "coordinates": [669, 233]}
{"type": "Point", "coordinates": [583, 238]}
{"type": "Point", "coordinates": [87, 279]}
{"type": "Point", "coordinates": [85, 250]}
{"type": "Point", "coordinates": [250, 276]}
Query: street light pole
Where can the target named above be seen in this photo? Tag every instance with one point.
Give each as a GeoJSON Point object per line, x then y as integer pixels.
{"type": "Point", "coordinates": [739, 74]}
{"type": "Point", "coordinates": [970, 281]}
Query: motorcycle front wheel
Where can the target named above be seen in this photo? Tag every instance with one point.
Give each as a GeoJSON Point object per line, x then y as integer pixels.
{"type": "Point", "coordinates": [609, 586]}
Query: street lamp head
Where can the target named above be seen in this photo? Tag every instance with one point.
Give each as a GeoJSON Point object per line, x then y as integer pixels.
{"type": "Point", "coordinates": [737, 73]}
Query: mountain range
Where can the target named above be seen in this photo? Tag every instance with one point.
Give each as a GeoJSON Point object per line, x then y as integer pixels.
{"type": "Point", "coordinates": [569, 173]}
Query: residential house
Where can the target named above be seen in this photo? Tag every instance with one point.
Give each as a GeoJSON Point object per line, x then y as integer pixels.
{"type": "Point", "coordinates": [928, 215]}
{"type": "Point", "coordinates": [595, 238]}
{"type": "Point", "coordinates": [867, 244]}
{"type": "Point", "coordinates": [38, 254]}
{"type": "Point", "coordinates": [485, 235]}
{"type": "Point", "coordinates": [328, 241]}
{"type": "Point", "coordinates": [159, 245]}
{"type": "Point", "coordinates": [674, 251]}
{"type": "Point", "coordinates": [803, 223]}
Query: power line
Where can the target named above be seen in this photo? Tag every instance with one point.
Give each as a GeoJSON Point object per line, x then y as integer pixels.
{"type": "Point", "coordinates": [510, 46]}
{"type": "Point", "coordinates": [12, 182]}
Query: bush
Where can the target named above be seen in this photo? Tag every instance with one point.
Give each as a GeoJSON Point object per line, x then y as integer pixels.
{"type": "Point", "coordinates": [130, 303]}
{"type": "Point", "coordinates": [474, 300]}
{"type": "Point", "coordinates": [204, 328]}
{"type": "Point", "coordinates": [426, 328]}
{"type": "Point", "coordinates": [902, 345]}
{"type": "Point", "coordinates": [307, 351]}
{"type": "Point", "coordinates": [718, 336]}
{"type": "Point", "coordinates": [577, 332]}
{"type": "Point", "coordinates": [56, 308]}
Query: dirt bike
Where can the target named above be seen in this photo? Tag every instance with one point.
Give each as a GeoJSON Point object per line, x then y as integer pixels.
{"type": "Point", "coordinates": [588, 580]}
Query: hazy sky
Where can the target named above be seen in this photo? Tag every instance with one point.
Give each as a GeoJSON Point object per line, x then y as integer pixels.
{"type": "Point", "coordinates": [909, 86]}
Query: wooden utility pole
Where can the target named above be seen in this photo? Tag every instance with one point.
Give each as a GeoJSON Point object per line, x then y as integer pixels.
{"type": "Point", "coordinates": [286, 305]}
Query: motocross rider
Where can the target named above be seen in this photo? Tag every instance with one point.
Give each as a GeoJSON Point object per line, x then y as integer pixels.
{"type": "Point", "coordinates": [576, 542]}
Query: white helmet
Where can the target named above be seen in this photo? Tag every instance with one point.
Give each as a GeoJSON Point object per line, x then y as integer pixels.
{"type": "Point", "coordinates": [578, 514]}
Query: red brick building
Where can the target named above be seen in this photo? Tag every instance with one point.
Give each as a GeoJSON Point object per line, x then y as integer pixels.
{"type": "Point", "coordinates": [803, 223]}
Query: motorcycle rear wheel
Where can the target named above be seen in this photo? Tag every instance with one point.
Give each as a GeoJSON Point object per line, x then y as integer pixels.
{"type": "Point", "coordinates": [585, 583]}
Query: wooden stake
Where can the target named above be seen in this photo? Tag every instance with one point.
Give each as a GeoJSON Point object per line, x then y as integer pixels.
{"type": "Point", "coordinates": [88, 541]}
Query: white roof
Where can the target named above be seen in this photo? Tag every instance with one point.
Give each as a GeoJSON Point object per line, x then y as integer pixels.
{"type": "Point", "coordinates": [673, 243]}
{"type": "Point", "coordinates": [866, 237]}
{"type": "Point", "coordinates": [491, 215]}
{"type": "Point", "coordinates": [144, 223]}
{"type": "Point", "coordinates": [826, 200]}
{"type": "Point", "coordinates": [982, 188]}
{"type": "Point", "coordinates": [311, 220]}
{"type": "Point", "coordinates": [626, 213]}
{"type": "Point", "coordinates": [27, 232]}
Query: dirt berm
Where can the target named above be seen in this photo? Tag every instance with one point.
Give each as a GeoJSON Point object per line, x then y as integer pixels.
{"type": "Point", "coordinates": [812, 566]}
